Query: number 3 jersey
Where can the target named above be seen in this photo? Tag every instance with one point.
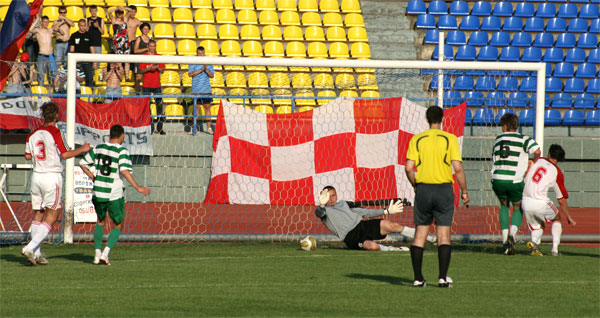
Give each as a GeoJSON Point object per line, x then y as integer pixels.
{"type": "Point", "coordinates": [510, 156]}
{"type": "Point", "coordinates": [540, 177]}
{"type": "Point", "coordinates": [45, 145]}
{"type": "Point", "coordinates": [108, 160]}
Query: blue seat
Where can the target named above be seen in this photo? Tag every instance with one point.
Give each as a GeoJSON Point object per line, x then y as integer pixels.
{"type": "Point", "coordinates": [594, 56]}
{"type": "Point", "coordinates": [543, 40]}
{"type": "Point", "coordinates": [595, 26]}
{"type": "Point", "coordinates": [512, 24]}
{"type": "Point", "coordinates": [478, 38]}
{"type": "Point", "coordinates": [534, 24]}
{"type": "Point", "coordinates": [519, 73]}
{"type": "Point", "coordinates": [517, 99]}
{"type": "Point", "coordinates": [577, 55]}
{"type": "Point", "coordinates": [474, 99]}
{"type": "Point", "coordinates": [528, 84]}
{"type": "Point", "coordinates": [546, 10]}
{"type": "Point", "coordinates": [592, 118]}
{"type": "Point", "coordinates": [586, 70]}
{"type": "Point", "coordinates": [510, 54]}
{"type": "Point", "coordinates": [574, 85]}
{"type": "Point", "coordinates": [432, 37]}
{"type": "Point", "coordinates": [573, 117]}
{"type": "Point", "coordinates": [565, 40]}
{"type": "Point", "coordinates": [464, 83]}
{"type": "Point", "coordinates": [593, 86]}
{"type": "Point", "coordinates": [452, 98]}
{"type": "Point", "coordinates": [495, 99]}
{"type": "Point", "coordinates": [448, 52]}
{"type": "Point", "coordinates": [434, 82]}
{"type": "Point", "coordinates": [465, 53]}
{"type": "Point", "coordinates": [553, 55]}
{"type": "Point", "coordinates": [437, 7]}
{"type": "Point", "coordinates": [532, 54]}
{"type": "Point", "coordinates": [508, 84]}
{"type": "Point", "coordinates": [553, 85]}
{"type": "Point", "coordinates": [562, 100]}
{"type": "Point", "coordinates": [475, 72]}
{"type": "Point", "coordinates": [587, 41]}
{"type": "Point", "coordinates": [481, 8]}
{"type": "Point", "coordinates": [584, 101]}
{"type": "Point", "coordinates": [425, 21]}
{"type": "Point", "coordinates": [415, 7]}
{"type": "Point", "coordinates": [567, 11]}
{"type": "Point", "coordinates": [468, 116]}
{"type": "Point", "coordinates": [578, 25]}
{"type": "Point", "coordinates": [589, 11]}
{"type": "Point", "coordinates": [503, 9]}
{"type": "Point", "coordinates": [469, 23]}
{"type": "Point", "coordinates": [522, 39]}
{"type": "Point", "coordinates": [459, 8]}
{"type": "Point", "coordinates": [485, 83]}
{"type": "Point", "coordinates": [564, 69]}
{"type": "Point", "coordinates": [497, 73]}
{"type": "Point", "coordinates": [526, 117]}
{"type": "Point", "coordinates": [552, 117]}
{"type": "Point", "coordinates": [500, 39]}
{"type": "Point", "coordinates": [488, 53]}
{"type": "Point", "coordinates": [483, 116]}
{"type": "Point", "coordinates": [558, 25]}
{"type": "Point", "coordinates": [456, 37]}
{"type": "Point", "coordinates": [501, 113]}
{"type": "Point", "coordinates": [447, 22]}
{"type": "Point", "coordinates": [524, 10]}
{"type": "Point", "coordinates": [491, 23]}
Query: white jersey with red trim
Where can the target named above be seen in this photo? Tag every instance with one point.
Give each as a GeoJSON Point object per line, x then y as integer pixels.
{"type": "Point", "coordinates": [45, 145]}
{"type": "Point", "coordinates": [542, 175]}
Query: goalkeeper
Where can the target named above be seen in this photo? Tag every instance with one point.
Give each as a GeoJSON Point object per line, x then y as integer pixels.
{"type": "Point", "coordinates": [345, 220]}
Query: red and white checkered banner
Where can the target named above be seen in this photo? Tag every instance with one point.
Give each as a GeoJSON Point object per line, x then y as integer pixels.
{"type": "Point", "coordinates": [357, 146]}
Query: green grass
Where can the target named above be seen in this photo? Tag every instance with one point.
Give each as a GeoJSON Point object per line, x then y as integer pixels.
{"type": "Point", "coordinates": [279, 280]}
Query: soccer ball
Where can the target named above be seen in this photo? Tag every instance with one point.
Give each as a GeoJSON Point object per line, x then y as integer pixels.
{"type": "Point", "coordinates": [308, 243]}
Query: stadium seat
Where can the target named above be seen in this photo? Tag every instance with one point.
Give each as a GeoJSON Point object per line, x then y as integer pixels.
{"type": "Point", "coordinates": [456, 37]}
{"type": "Point", "coordinates": [222, 4]}
{"type": "Point", "coordinates": [546, 10]}
{"type": "Point", "coordinates": [452, 98]}
{"type": "Point", "coordinates": [592, 118]}
{"type": "Point", "coordinates": [543, 40]}
{"type": "Point", "coordinates": [425, 21]}
{"type": "Point", "coordinates": [370, 94]}
{"type": "Point", "coordinates": [593, 57]}
{"type": "Point", "coordinates": [50, 12]}
{"type": "Point", "coordinates": [512, 24]}
{"type": "Point", "coordinates": [587, 41]}
{"type": "Point", "coordinates": [465, 53]}
{"type": "Point", "coordinates": [593, 86]}
{"type": "Point", "coordinates": [508, 84]}
{"type": "Point", "coordinates": [226, 16]}
{"type": "Point", "coordinates": [434, 83]}
{"type": "Point", "coordinates": [287, 5]}
{"type": "Point", "coordinates": [332, 19]}
{"type": "Point", "coordinates": [584, 101]}
{"type": "Point", "coordinates": [431, 37]}
{"type": "Point", "coordinates": [459, 8]}
{"type": "Point", "coordinates": [311, 19]}
{"type": "Point", "coordinates": [165, 47]}
{"type": "Point", "coordinates": [267, 109]}
{"type": "Point", "coordinates": [75, 13]}
{"type": "Point", "coordinates": [357, 34]}
{"type": "Point", "coordinates": [317, 50]}
{"type": "Point", "coordinates": [524, 10]}
{"type": "Point", "coordinates": [268, 17]}
{"type": "Point", "coordinates": [595, 26]}
{"type": "Point", "coordinates": [589, 11]}
{"type": "Point", "coordinates": [218, 80]}
{"type": "Point", "coordinates": [158, 3]}
{"type": "Point", "coordinates": [353, 20]}
{"type": "Point", "coordinates": [235, 79]}
{"type": "Point", "coordinates": [231, 48]}
{"type": "Point", "coordinates": [574, 85]}
{"type": "Point", "coordinates": [160, 14]}
{"type": "Point", "coordinates": [367, 81]}
{"type": "Point", "coordinates": [573, 117]}
{"type": "Point", "coordinates": [415, 7]}
{"type": "Point", "coordinates": [528, 84]}
{"type": "Point", "coordinates": [186, 47]}
{"type": "Point", "coordinates": [301, 80]}
{"type": "Point", "coordinates": [336, 34]}
{"type": "Point", "coordinates": [478, 38]}
{"type": "Point", "coordinates": [207, 31]}
{"type": "Point", "coordinates": [323, 80]}
{"type": "Point", "coordinates": [483, 116]}
{"type": "Point", "coordinates": [211, 47]}
{"type": "Point", "coordinates": [350, 6]}
{"type": "Point", "coordinates": [567, 11]}
{"type": "Point", "coordinates": [495, 99]}
{"type": "Point", "coordinates": [258, 80]}
{"type": "Point", "coordinates": [437, 7]}
{"type": "Point", "coordinates": [517, 99]}
{"type": "Point", "coordinates": [174, 3]}
{"type": "Point", "coordinates": [532, 54]}
{"type": "Point", "coordinates": [553, 55]}
{"type": "Point", "coordinates": [185, 31]}
{"type": "Point", "coordinates": [481, 8]}
{"type": "Point", "coordinates": [325, 93]}
{"type": "Point", "coordinates": [204, 15]}
{"type": "Point", "coordinates": [503, 9]}
{"type": "Point", "coordinates": [500, 39]}
{"type": "Point", "coordinates": [448, 52]}
{"type": "Point", "coordinates": [469, 23]}
{"type": "Point", "coordinates": [282, 92]}
{"type": "Point", "coordinates": [279, 80]}
{"type": "Point", "coordinates": [561, 100]}
{"type": "Point", "coordinates": [488, 53]}
{"type": "Point", "coordinates": [490, 23]}
{"type": "Point", "coordinates": [344, 81]}
{"type": "Point", "coordinates": [553, 84]}
{"type": "Point", "coordinates": [510, 54]}
{"type": "Point", "coordinates": [533, 100]}
{"type": "Point", "coordinates": [348, 93]}
{"type": "Point", "coordinates": [526, 117]}
{"type": "Point", "coordinates": [252, 49]}
{"type": "Point", "coordinates": [586, 70]}
{"type": "Point", "coordinates": [552, 117]}
{"type": "Point", "coordinates": [565, 40]}
{"type": "Point", "coordinates": [474, 99]}
{"type": "Point", "coordinates": [265, 5]}
{"type": "Point", "coordinates": [305, 101]}
{"type": "Point", "coordinates": [290, 18]}
{"type": "Point", "coordinates": [464, 83]}
{"type": "Point", "coordinates": [501, 113]}
{"type": "Point", "coordinates": [468, 116]}
{"type": "Point", "coordinates": [292, 33]}
{"type": "Point", "coordinates": [338, 50]}
{"type": "Point", "coordinates": [247, 16]}
{"type": "Point", "coordinates": [183, 15]}
{"type": "Point", "coordinates": [295, 49]}
{"type": "Point", "coordinates": [563, 69]}
{"type": "Point", "coordinates": [163, 30]}
{"type": "Point", "coordinates": [271, 32]}
{"type": "Point", "coordinates": [329, 6]}
{"type": "Point", "coordinates": [308, 5]}
{"type": "Point", "coordinates": [228, 32]}
{"type": "Point", "coordinates": [534, 24]}
{"type": "Point", "coordinates": [559, 25]}
{"type": "Point", "coordinates": [244, 4]}
{"type": "Point", "coordinates": [197, 4]}
{"type": "Point", "coordinates": [170, 78]}
{"type": "Point", "coordinates": [577, 26]}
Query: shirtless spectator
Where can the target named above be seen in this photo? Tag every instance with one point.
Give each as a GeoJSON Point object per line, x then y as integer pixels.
{"type": "Point", "coordinates": [95, 30]}
{"type": "Point", "coordinates": [132, 25]}
{"type": "Point", "coordinates": [43, 36]}
{"type": "Point", "coordinates": [62, 28]}
{"type": "Point", "coordinates": [18, 72]}
{"type": "Point", "coordinates": [113, 74]}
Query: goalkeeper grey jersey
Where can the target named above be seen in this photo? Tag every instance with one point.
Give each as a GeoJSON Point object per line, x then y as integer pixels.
{"type": "Point", "coordinates": [344, 216]}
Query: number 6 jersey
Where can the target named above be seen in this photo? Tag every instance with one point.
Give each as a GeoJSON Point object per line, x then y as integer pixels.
{"type": "Point", "coordinates": [540, 177]}
{"type": "Point", "coordinates": [45, 145]}
{"type": "Point", "coordinates": [108, 160]}
{"type": "Point", "coordinates": [511, 155]}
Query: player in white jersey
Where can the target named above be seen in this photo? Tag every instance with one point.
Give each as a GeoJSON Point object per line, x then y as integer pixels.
{"type": "Point", "coordinates": [46, 148]}
{"type": "Point", "coordinates": [110, 161]}
{"type": "Point", "coordinates": [538, 208]}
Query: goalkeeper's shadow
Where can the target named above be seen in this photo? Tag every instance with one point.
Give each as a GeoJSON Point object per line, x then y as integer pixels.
{"type": "Point", "coordinates": [392, 280]}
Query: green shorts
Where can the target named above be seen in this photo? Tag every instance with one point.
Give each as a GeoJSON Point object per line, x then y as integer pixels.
{"type": "Point", "coordinates": [508, 190]}
{"type": "Point", "coordinates": [116, 209]}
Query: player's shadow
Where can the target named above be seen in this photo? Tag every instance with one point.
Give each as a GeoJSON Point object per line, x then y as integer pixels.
{"type": "Point", "coordinates": [77, 257]}
{"type": "Point", "coordinates": [14, 258]}
{"type": "Point", "coordinates": [478, 248]}
{"type": "Point", "coordinates": [596, 255]}
{"type": "Point", "coordinates": [392, 280]}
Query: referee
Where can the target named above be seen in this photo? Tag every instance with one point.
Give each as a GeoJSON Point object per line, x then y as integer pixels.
{"type": "Point", "coordinates": [434, 153]}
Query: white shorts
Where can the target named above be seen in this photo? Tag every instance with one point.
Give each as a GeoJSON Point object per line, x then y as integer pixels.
{"type": "Point", "coordinates": [538, 212]}
{"type": "Point", "coordinates": [46, 191]}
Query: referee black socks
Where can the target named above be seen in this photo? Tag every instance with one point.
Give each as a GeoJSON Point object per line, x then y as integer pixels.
{"type": "Point", "coordinates": [416, 255]}
{"type": "Point", "coordinates": [444, 253]}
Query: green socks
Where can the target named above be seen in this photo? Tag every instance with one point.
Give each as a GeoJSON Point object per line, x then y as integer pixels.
{"type": "Point", "coordinates": [504, 217]}
{"type": "Point", "coordinates": [98, 233]}
{"type": "Point", "coordinates": [113, 237]}
{"type": "Point", "coordinates": [517, 218]}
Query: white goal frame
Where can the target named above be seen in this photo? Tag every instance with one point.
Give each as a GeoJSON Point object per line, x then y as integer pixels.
{"type": "Point", "coordinates": [74, 58]}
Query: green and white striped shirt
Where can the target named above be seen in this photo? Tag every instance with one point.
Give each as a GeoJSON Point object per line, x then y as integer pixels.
{"type": "Point", "coordinates": [108, 160]}
{"type": "Point", "coordinates": [510, 156]}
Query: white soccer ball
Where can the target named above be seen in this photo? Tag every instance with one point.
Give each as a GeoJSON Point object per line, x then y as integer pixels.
{"type": "Point", "coordinates": [308, 243]}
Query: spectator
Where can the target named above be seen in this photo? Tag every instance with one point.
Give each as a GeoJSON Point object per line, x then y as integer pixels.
{"type": "Point", "coordinates": [60, 82]}
{"type": "Point", "coordinates": [81, 42]}
{"type": "Point", "coordinates": [141, 47]}
{"type": "Point", "coordinates": [151, 83]}
{"type": "Point", "coordinates": [27, 77]}
{"type": "Point", "coordinates": [43, 36]}
{"type": "Point", "coordinates": [120, 35]}
{"type": "Point", "coordinates": [95, 26]}
{"type": "Point", "coordinates": [18, 71]}
{"type": "Point", "coordinates": [113, 75]}
{"type": "Point", "coordinates": [62, 28]}
{"type": "Point", "coordinates": [133, 24]}
{"type": "Point", "coordinates": [201, 75]}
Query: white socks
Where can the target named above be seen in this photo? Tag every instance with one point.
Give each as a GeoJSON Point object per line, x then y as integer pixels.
{"type": "Point", "coordinates": [106, 251]}
{"type": "Point", "coordinates": [504, 235]}
{"type": "Point", "coordinates": [408, 232]}
{"type": "Point", "coordinates": [536, 236]}
{"type": "Point", "coordinates": [513, 231]}
{"type": "Point", "coordinates": [556, 232]}
{"type": "Point", "coordinates": [35, 225]}
{"type": "Point", "coordinates": [40, 234]}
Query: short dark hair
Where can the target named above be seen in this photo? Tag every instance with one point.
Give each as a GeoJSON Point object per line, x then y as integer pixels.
{"type": "Point", "coordinates": [434, 114]}
{"type": "Point", "coordinates": [510, 120]}
{"type": "Point", "coordinates": [200, 48]}
{"type": "Point", "coordinates": [556, 152]}
{"type": "Point", "coordinates": [45, 17]}
{"type": "Point", "coordinates": [145, 24]}
{"type": "Point", "coordinates": [132, 7]}
{"type": "Point", "coordinates": [151, 41]}
{"type": "Point", "coordinates": [329, 188]}
{"type": "Point", "coordinates": [116, 131]}
{"type": "Point", "coordinates": [82, 20]}
{"type": "Point", "coordinates": [62, 8]}
{"type": "Point", "coordinates": [49, 111]}
{"type": "Point", "coordinates": [119, 12]}
{"type": "Point", "coordinates": [93, 6]}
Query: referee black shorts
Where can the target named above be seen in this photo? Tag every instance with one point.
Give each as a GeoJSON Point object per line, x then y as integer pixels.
{"type": "Point", "coordinates": [364, 231]}
{"type": "Point", "coordinates": [434, 201]}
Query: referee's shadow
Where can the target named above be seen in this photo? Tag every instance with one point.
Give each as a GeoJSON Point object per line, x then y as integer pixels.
{"type": "Point", "coordinates": [392, 280]}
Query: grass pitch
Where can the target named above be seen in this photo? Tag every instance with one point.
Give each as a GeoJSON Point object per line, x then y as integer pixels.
{"type": "Point", "coordinates": [280, 280]}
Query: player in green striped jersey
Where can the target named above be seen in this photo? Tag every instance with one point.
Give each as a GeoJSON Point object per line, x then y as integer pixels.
{"type": "Point", "coordinates": [109, 161]}
{"type": "Point", "coordinates": [510, 159]}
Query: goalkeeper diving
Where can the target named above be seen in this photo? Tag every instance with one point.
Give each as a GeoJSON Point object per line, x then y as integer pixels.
{"type": "Point", "coordinates": [344, 219]}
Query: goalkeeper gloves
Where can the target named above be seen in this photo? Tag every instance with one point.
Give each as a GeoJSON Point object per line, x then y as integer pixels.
{"type": "Point", "coordinates": [394, 207]}
{"type": "Point", "coordinates": [323, 198]}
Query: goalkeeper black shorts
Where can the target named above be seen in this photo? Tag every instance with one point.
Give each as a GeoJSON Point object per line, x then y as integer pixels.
{"type": "Point", "coordinates": [365, 230]}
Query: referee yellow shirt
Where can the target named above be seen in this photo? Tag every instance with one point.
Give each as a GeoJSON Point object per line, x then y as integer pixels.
{"type": "Point", "coordinates": [433, 152]}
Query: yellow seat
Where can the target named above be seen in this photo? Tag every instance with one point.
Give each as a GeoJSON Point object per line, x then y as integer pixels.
{"type": "Point", "coordinates": [185, 31]}
{"type": "Point", "coordinates": [165, 47]}
{"type": "Point", "coordinates": [329, 6]}
{"type": "Point", "coordinates": [235, 79]}
{"type": "Point", "coordinates": [274, 49]}
{"type": "Point", "coordinates": [180, 3]}
{"type": "Point", "coordinates": [186, 47]}
{"type": "Point", "coordinates": [239, 92]}
{"type": "Point", "coordinates": [158, 3]}
{"type": "Point", "coordinates": [338, 50]}
{"type": "Point", "coordinates": [370, 94]}
{"type": "Point", "coordinates": [186, 80]}
{"type": "Point", "coordinates": [175, 91]}
{"type": "Point", "coordinates": [143, 14]}
{"type": "Point", "coordinates": [268, 17]}
{"type": "Point", "coordinates": [226, 16]}
{"type": "Point", "coordinates": [325, 93]}
{"type": "Point", "coordinates": [72, 2]}
{"type": "Point", "coordinates": [250, 32]}
{"type": "Point", "coordinates": [348, 93]}
{"type": "Point", "coordinates": [244, 4]}
{"type": "Point", "coordinates": [228, 31]}
{"type": "Point", "coordinates": [160, 14]}
{"type": "Point", "coordinates": [204, 15]}
{"type": "Point", "coordinates": [301, 80]}
{"type": "Point", "coordinates": [86, 91]}
{"type": "Point", "coordinates": [46, 2]}
{"type": "Point", "coordinates": [39, 90]}
{"type": "Point", "coordinates": [190, 110]}
{"type": "Point", "coordinates": [217, 80]}
{"type": "Point", "coordinates": [170, 79]}
{"type": "Point", "coordinates": [115, 3]}
{"type": "Point", "coordinates": [214, 109]}
{"type": "Point", "coordinates": [279, 80]}
{"type": "Point", "coordinates": [265, 4]}
{"type": "Point", "coordinates": [50, 12]}
{"type": "Point", "coordinates": [163, 30]}
{"type": "Point", "coordinates": [101, 13]}
{"type": "Point", "coordinates": [74, 28]}
{"type": "Point", "coordinates": [211, 47]}
{"type": "Point", "coordinates": [183, 15]}
{"type": "Point", "coordinates": [231, 48]}
{"type": "Point", "coordinates": [267, 109]}
{"type": "Point", "coordinates": [252, 49]}
{"type": "Point", "coordinates": [286, 5]}
{"type": "Point", "coordinates": [292, 33]}
{"type": "Point", "coordinates": [282, 92]}
{"type": "Point", "coordinates": [258, 80]}
{"type": "Point", "coordinates": [262, 101]}
{"type": "Point", "coordinates": [357, 34]}
{"type": "Point", "coordinates": [336, 34]}
{"type": "Point", "coordinates": [311, 18]}
{"type": "Point", "coordinates": [222, 4]}
{"type": "Point", "coordinates": [304, 109]}
{"type": "Point", "coordinates": [317, 50]}
{"type": "Point", "coordinates": [202, 4]}
{"type": "Point", "coordinates": [350, 6]}
{"type": "Point", "coordinates": [324, 80]}
{"type": "Point", "coordinates": [314, 33]}
{"type": "Point", "coordinates": [174, 112]}
{"type": "Point", "coordinates": [295, 49]}
{"type": "Point", "coordinates": [75, 13]}
{"type": "Point", "coordinates": [138, 3]}
{"type": "Point", "coordinates": [305, 101]}
{"type": "Point", "coordinates": [207, 31]}
{"type": "Point", "coordinates": [344, 81]}
{"type": "Point", "coordinates": [283, 109]}
{"type": "Point", "coordinates": [271, 32]}
{"type": "Point", "coordinates": [354, 19]}
{"type": "Point", "coordinates": [308, 5]}
{"type": "Point", "coordinates": [360, 50]}
{"type": "Point", "coordinates": [290, 18]}
{"type": "Point", "coordinates": [332, 19]}
{"type": "Point", "coordinates": [367, 81]}
{"type": "Point", "coordinates": [247, 16]}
